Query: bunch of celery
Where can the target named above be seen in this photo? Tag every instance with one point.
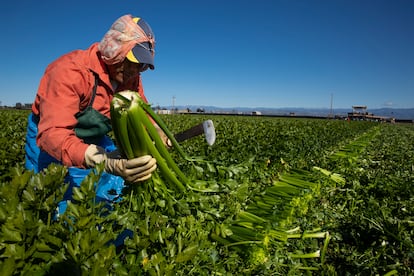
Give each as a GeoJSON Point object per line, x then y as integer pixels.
{"type": "Point", "coordinates": [136, 135]}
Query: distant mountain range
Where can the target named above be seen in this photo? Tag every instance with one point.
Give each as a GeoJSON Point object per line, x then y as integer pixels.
{"type": "Point", "coordinates": [397, 113]}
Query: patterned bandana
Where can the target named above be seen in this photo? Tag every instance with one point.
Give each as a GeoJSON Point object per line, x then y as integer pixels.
{"type": "Point", "coordinates": [123, 35]}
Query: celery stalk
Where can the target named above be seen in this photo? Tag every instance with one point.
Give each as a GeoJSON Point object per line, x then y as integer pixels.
{"type": "Point", "coordinates": [160, 144]}
{"type": "Point", "coordinates": [167, 132]}
{"type": "Point", "coordinates": [137, 129]}
{"type": "Point", "coordinates": [119, 121]}
{"type": "Point", "coordinates": [166, 171]}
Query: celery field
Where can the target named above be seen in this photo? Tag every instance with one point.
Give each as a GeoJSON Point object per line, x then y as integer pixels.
{"type": "Point", "coordinates": [272, 196]}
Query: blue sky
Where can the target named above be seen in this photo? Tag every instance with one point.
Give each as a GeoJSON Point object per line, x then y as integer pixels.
{"type": "Point", "coordinates": [231, 53]}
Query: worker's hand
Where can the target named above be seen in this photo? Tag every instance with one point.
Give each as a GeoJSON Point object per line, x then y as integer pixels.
{"type": "Point", "coordinates": [132, 170]}
{"type": "Point", "coordinates": [164, 138]}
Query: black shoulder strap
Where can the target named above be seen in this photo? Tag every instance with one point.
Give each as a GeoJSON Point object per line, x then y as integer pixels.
{"type": "Point", "coordinates": [94, 88]}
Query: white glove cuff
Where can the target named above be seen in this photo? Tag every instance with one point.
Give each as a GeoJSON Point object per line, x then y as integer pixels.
{"type": "Point", "coordinates": [94, 155]}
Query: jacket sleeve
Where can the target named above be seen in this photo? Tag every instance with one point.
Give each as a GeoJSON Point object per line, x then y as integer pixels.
{"type": "Point", "coordinates": [59, 97]}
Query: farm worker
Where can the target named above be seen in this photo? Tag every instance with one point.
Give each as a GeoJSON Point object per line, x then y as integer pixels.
{"type": "Point", "coordinates": [70, 116]}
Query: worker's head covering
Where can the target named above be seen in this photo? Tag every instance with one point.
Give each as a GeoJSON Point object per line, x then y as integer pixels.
{"type": "Point", "coordinates": [129, 37]}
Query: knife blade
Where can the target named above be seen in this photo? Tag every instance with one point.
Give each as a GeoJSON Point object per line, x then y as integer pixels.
{"type": "Point", "coordinates": [206, 128]}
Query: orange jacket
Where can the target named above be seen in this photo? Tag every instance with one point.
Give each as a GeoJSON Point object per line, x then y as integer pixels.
{"type": "Point", "coordinates": [64, 90]}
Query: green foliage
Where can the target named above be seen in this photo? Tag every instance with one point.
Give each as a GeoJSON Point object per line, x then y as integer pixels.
{"type": "Point", "coordinates": [371, 215]}
{"type": "Point", "coordinates": [28, 241]}
{"type": "Point", "coordinates": [13, 125]}
{"type": "Point", "coordinates": [296, 197]}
